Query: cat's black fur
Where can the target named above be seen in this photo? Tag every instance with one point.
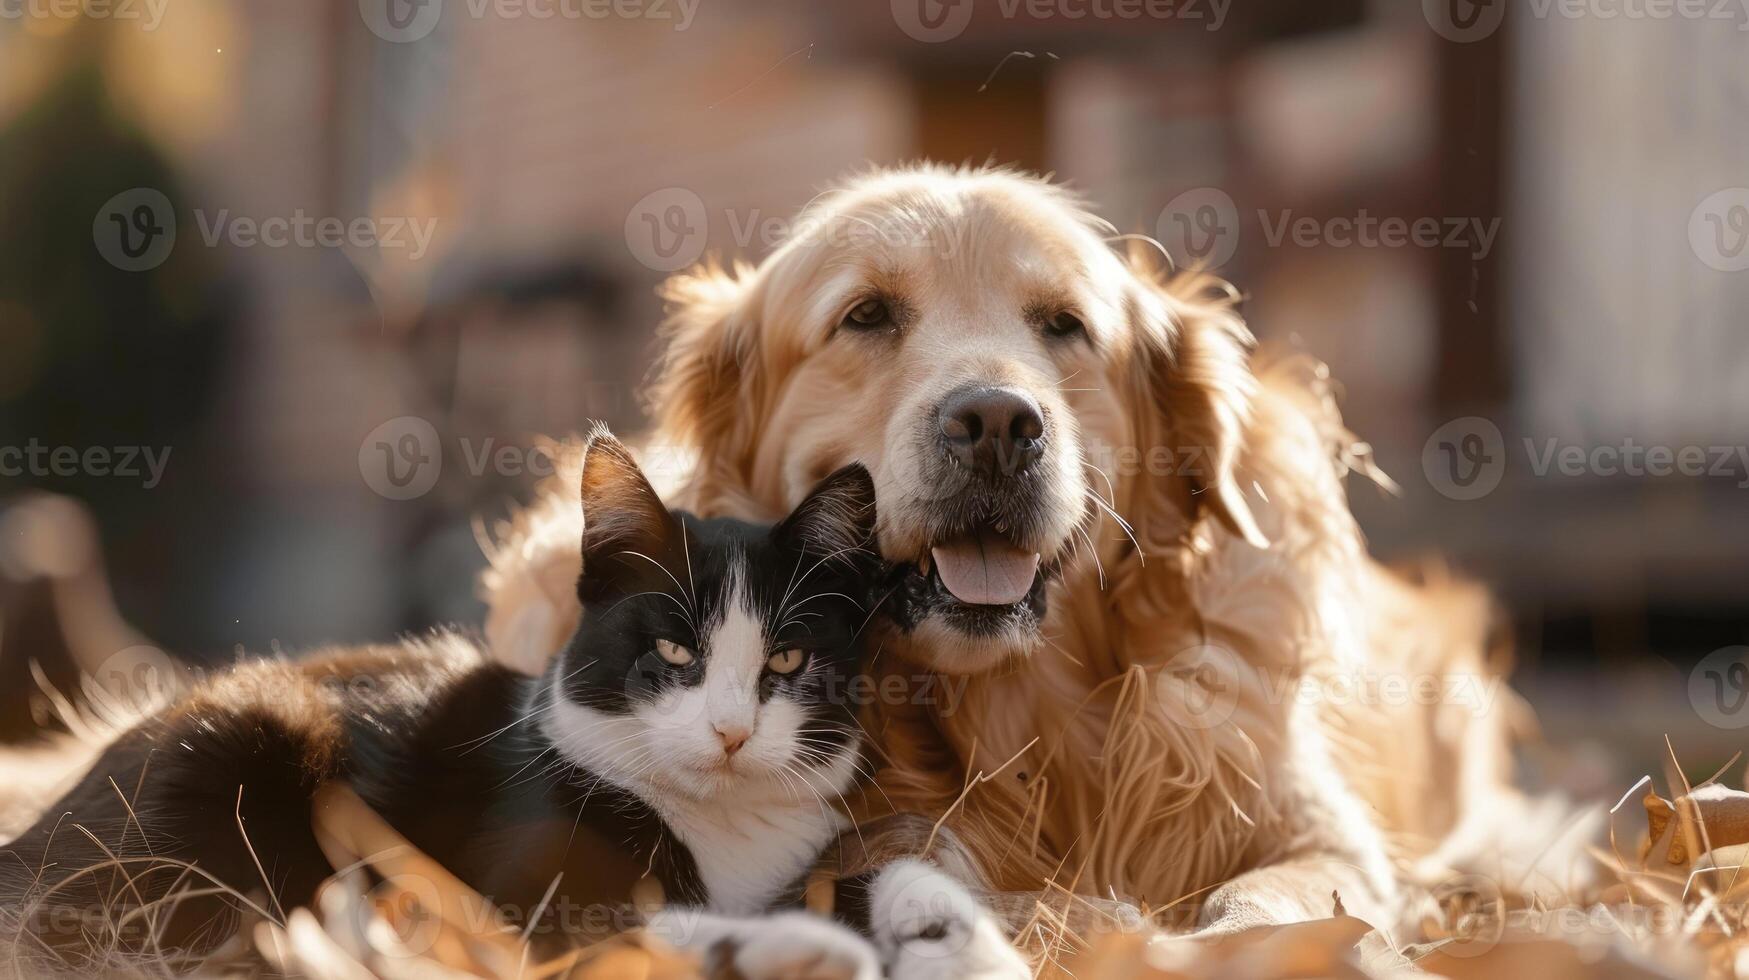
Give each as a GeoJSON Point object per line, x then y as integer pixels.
{"type": "Point", "coordinates": [445, 744]}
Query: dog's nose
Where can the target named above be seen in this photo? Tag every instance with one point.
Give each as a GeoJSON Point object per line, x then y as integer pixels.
{"type": "Point", "coordinates": [993, 431]}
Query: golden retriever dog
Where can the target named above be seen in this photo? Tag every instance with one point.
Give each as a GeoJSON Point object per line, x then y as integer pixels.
{"type": "Point", "coordinates": [1179, 679]}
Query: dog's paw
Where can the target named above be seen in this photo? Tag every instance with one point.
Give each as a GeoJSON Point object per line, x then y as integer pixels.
{"type": "Point", "coordinates": [787, 946]}
{"type": "Point", "coordinates": [927, 926]}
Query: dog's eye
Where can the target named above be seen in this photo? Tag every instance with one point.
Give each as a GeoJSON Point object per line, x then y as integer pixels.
{"type": "Point", "coordinates": [1065, 324]}
{"type": "Point", "coordinates": [786, 661]}
{"type": "Point", "coordinates": [673, 653]}
{"type": "Point", "coordinates": [868, 315]}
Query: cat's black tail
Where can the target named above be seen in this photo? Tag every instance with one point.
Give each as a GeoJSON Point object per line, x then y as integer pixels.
{"type": "Point", "coordinates": [181, 825]}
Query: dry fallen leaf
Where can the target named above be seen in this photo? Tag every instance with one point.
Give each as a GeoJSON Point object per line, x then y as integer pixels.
{"type": "Point", "coordinates": [1709, 817]}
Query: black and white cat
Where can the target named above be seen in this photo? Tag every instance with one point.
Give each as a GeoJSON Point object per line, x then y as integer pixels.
{"type": "Point", "coordinates": [742, 737]}
{"type": "Point", "coordinates": [695, 731]}
{"type": "Point", "coordinates": [710, 676]}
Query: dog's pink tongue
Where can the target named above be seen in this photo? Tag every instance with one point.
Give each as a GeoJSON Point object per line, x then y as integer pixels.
{"type": "Point", "coordinates": [985, 570]}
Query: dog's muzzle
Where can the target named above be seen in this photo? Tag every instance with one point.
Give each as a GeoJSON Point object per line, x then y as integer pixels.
{"type": "Point", "coordinates": [981, 566]}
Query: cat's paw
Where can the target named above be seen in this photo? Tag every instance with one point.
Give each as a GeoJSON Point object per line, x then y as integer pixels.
{"type": "Point", "coordinates": [798, 946]}
{"type": "Point", "coordinates": [927, 926]}
{"type": "Point", "coordinates": [786, 946]}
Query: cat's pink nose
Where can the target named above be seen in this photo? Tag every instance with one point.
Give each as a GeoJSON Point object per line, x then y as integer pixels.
{"type": "Point", "coordinates": [733, 738]}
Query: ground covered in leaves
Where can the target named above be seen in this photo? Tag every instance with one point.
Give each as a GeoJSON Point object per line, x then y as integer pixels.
{"type": "Point", "coordinates": [1668, 901]}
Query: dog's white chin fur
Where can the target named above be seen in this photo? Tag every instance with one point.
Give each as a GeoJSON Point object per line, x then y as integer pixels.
{"type": "Point", "coordinates": [935, 644]}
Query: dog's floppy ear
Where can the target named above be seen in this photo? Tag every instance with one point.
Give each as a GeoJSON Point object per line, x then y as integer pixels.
{"type": "Point", "coordinates": [1192, 385]}
{"type": "Point", "coordinates": [628, 535]}
{"type": "Point", "coordinates": [706, 389]}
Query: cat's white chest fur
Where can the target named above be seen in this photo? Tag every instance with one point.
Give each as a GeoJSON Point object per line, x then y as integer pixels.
{"type": "Point", "coordinates": [748, 845]}
{"type": "Point", "coordinates": [748, 851]}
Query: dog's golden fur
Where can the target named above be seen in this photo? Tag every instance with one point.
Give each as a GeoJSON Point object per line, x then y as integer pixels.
{"type": "Point", "coordinates": [1158, 742]}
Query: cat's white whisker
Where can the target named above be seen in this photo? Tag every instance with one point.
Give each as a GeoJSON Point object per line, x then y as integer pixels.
{"type": "Point", "coordinates": [876, 607]}
{"type": "Point", "coordinates": [686, 549]}
{"type": "Point", "coordinates": [691, 619]}
{"type": "Point", "coordinates": [684, 613]}
{"type": "Point", "coordinates": [542, 706]}
{"type": "Point", "coordinates": [783, 604]}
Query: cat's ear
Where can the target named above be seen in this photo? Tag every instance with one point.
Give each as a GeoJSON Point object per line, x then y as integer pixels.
{"type": "Point", "coordinates": [837, 519]}
{"type": "Point", "coordinates": [627, 532]}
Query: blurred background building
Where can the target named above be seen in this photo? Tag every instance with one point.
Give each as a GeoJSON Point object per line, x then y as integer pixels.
{"type": "Point", "coordinates": [1582, 283]}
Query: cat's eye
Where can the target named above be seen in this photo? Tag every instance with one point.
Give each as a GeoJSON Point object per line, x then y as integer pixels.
{"type": "Point", "coordinates": [673, 653]}
{"type": "Point", "coordinates": [786, 661]}
{"type": "Point", "coordinates": [870, 314]}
